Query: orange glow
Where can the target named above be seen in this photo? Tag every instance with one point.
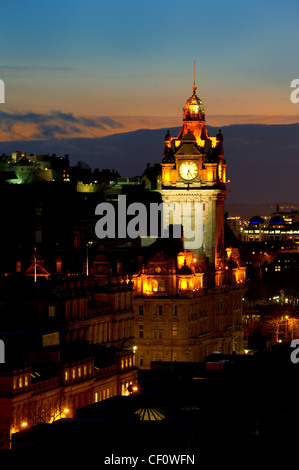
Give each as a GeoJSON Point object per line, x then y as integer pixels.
{"type": "Point", "coordinates": [210, 175]}
{"type": "Point", "coordinates": [194, 108]}
{"type": "Point", "coordinates": [155, 285]}
{"type": "Point", "coordinates": [24, 424]}
{"type": "Point", "coordinates": [145, 288]}
{"type": "Point", "coordinates": [200, 142]}
{"type": "Point", "coordinates": [166, 176]}
{"type": "Point", "coordinates": [213, 140]}
{"type": "Point", "coordinates": [180, 259]}
{"type": "Point", "coordinates": [184, 284]}
{"type": "Point", "coordinates": [187, 256]}
{"type": "Point", "coordinates": [177, 143]}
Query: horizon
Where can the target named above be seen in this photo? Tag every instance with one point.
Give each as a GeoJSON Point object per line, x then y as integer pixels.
{"type": "Point", "coordinates": [84, 66]}
{"type": "Point", "coordinates": [97, 71]}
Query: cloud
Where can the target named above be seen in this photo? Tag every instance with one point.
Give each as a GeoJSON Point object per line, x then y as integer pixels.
{"type": "Point", "coordinates": [50, 131]}
{"type": "Point", "coordinates": [52, 124]}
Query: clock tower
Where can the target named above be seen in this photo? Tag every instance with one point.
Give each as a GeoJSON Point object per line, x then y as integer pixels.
{"type": "Point", "coordinates": [194, 181]}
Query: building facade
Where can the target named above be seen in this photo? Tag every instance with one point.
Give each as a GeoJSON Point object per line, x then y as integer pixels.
{"type": "Point", "coordinates": [43, 393]}
{"type": "Point", "coordinates": [189, 304]}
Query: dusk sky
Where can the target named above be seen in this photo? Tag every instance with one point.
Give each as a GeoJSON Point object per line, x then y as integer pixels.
{"type": "Point", "coordinates": [68, 65]}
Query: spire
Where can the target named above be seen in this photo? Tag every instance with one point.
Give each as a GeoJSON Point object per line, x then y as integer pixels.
{"type": "Point", "coordinates": [194, 88]}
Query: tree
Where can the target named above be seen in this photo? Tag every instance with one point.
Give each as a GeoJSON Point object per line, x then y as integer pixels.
{"type": "Point", "coordinates": [45, 411]}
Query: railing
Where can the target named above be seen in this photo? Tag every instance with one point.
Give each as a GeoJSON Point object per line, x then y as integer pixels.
{"type": "Point", "coordinates": [46, 384]}
{"type": "Point", "coordinates": [106, 371]}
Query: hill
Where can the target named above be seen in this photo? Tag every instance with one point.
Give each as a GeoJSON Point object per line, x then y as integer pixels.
{"type": "Point", "coordinates": [262, 160]}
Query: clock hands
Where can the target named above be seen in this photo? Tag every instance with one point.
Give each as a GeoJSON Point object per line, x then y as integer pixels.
{"type": "Point", "coordinates": [188, 170]}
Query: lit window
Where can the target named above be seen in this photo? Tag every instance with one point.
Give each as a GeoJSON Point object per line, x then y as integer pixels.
{"type": "Point", "coordinates": [79, 372]}
{"type": "Point", "coordinates": [74, 373]}
{"type": "Point", "coordinates": [96, 397]}
{"type": "Point", "coordinates": [155, 286]}
{"type": "Point", "coordinates": [51, 311]}
{"type": "Point", "coordinates": [66, 375]}
{"type": "Point", "coordinates": [183, 284]}
{"type": "Point", "coordinates": [26, 381]}
{"type": "Point", "coordinates": [21, 382]}
{"type": "Point", "coordinates": [85, 370]}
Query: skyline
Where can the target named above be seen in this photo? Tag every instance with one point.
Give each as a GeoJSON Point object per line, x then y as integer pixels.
{"type": "Point", "coordinates": [68, 68]}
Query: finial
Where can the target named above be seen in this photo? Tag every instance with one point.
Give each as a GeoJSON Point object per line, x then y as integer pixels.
{"type": "Point", "coordinates": [194, 87]}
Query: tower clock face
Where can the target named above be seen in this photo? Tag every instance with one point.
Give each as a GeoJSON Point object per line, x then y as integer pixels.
{"type": "Point", "coordinates": [188, 170]}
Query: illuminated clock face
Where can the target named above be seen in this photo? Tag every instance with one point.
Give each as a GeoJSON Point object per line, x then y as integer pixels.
{"type": "Point", "coordinates": [188, 170]}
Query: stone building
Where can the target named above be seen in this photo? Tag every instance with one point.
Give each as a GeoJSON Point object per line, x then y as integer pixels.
{"type": "Point", "coordinates": [189, 303]}
{"type": "Point", "coordinates": [51, 385]}
{"type": "Point", "coordinates": [68, 343]}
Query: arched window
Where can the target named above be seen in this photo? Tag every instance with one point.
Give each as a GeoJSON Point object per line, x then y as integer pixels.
{"type": "Point", "coordinates": [155, 285]}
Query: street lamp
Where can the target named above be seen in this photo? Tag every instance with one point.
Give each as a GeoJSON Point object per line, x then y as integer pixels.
{"type": "Point", "coordinates": [34, 264]}
{"type": "Point", "coordinates": [134, 355]}
{"type": "Point", "coordinates": [286, 326]}
{"type": "Point", "coordinates": [87, 267]}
